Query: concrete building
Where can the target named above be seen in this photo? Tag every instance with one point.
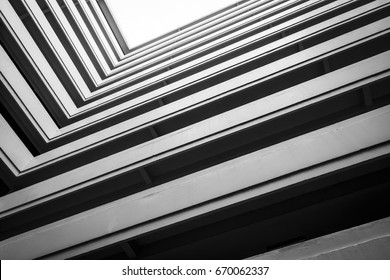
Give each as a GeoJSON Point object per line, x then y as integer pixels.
{"type": "Point", "coordinates": [261, 131]}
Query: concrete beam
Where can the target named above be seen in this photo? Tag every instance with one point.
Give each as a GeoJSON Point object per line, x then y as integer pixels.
{"type": "Point", "coordinates": [249, 115]}
{"type": "Point", "coordinates": [293, 98]}
{"type": "Point", "coordinates": [232, 177]}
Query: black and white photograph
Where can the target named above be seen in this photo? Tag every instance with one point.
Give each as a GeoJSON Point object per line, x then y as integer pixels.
{"type": "Point", "coordinates": [195, 130]}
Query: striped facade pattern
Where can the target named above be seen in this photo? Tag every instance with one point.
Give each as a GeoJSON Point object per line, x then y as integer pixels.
{"type": "Point", "coordinates": [262, 125]}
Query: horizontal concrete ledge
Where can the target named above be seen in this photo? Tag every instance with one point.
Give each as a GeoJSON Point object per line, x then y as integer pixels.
{"type": "Point", "coordinates": [268, 71]}
{"type": "Point", "coordinates": [242, 81]}
{"type": "Point", "coordinates": [94, 118]}
{"type": "Point", "coordinates": [319, 147]}
{"type": "Point", "coordinates": [222, 26]}
{"type": "Point", "coordinates": [186, 50]}
{"type": "Point", "coordinates": [214, 20]}
{"type": "Point", "coordinates": [370, 241]}
{"type": "Point", "coordinates": [225, 201]}
{"type": "Point", "coordinates": [116, 164]}
{"type": "Point", "coordinates": [292, 98]}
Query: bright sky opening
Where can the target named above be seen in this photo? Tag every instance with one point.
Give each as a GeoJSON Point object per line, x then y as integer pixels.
{"type": "Point", "coordinates": [144, 20]}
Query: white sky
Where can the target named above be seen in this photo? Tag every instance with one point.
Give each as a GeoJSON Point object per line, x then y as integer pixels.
{"type": "Point", "coordinates": [143, 20]}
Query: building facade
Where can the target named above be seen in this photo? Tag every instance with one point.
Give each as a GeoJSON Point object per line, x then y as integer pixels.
{"type": "Point", "coordinates": [260, 131]}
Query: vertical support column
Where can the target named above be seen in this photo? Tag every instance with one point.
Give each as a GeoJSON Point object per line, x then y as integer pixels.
{"type": "Point", "coordinates": [326, 66]}
{"type": "Point", "coordinates": [367, 96]}
{"type": "Point", "coordinates": [128, 250]}
{"type": "Point", "coordinates": [145, 176]}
